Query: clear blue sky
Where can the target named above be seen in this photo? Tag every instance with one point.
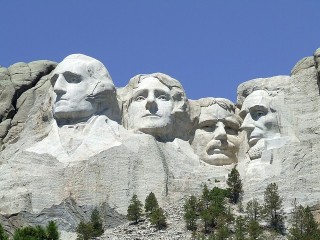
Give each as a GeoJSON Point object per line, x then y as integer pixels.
{"type": "Point", "coordinates": [210, 46]}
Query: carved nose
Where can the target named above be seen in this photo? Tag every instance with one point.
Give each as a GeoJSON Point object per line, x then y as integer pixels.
{"type": "Point", "coordinates": [220, 132]}
{"type": "Point", "coordinates": [248, 123]}
{"type": "Point", "coordinates": [151, 105]}
{"type": "Point", "coordinates": [60, 85]}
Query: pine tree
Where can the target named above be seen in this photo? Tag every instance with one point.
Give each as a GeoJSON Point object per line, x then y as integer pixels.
{"type": "Point", "coordinates": [84, 231]}
{"type": "Point", "coordinates": [158, 218]}
{"type": "Point", "coordinates": [222, 228]}
{"type": "Point", "coordinates": [304, 226]}
{"type": "Point", "coordinates": [273, 207]}
{"type": "Point", "coordinates": [311, 226]}
{"type": "Point", "coordinates": [254, 210]}
{"type": "Point", "coordinates": [205, 198]}
{"type": "Point", "coordinates": [151, 203]}
{"type": "Point", "coordinates": [206, 208]}
{"type": "Point", "coordinates": [240, 229]}
{"type": "Point", "coordinates": [134, 212]}
{"type": "Point", "coordinates": [91, 229]}
{"type": "Point", "coordinates": [207, 216]}
{"type": "Point", "coordinates": [40, 233]}
{"type": "Point", "coordinates": [96, 223]}
{"type": "Point", "coordinates": [3, 234]}
{"type": "Point", "coordinates": [234, 186]}
{"type": "Point", "coordinates": [254, 229]}
{"type": "Point", "coordinates": [30, 233]}
{"type": "Point", "coordinates": [52, 231]}
{"type": "Point", "coordinates": [190, 213]}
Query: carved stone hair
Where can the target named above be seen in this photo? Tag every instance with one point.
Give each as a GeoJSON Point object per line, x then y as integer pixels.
{"type": "Point", "coordinates": [222, 102]}
{"type": "Point", "coordinates": [270, 93]}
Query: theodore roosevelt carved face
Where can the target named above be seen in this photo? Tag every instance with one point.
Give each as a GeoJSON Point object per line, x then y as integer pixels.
{"type": "Point", "coordinates": [83, 87]}
{"type": "Point", "coordinates": [259, 121]}
{"type": "Point", "coordinates": [154, 100]}
{"type": "Point", "coordinates": [216, 136]}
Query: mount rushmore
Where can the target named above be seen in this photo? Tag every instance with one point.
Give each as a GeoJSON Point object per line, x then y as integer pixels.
{"type": "Point", "coordinates": [71, 140]}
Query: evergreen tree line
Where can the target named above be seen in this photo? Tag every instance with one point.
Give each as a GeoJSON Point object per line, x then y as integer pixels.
{"type": "Point", "coordinates": [152, 211]}
{"type": "Point", "coordinates": [212, 215]}
{"type": "Point", "coordinates": [49, 232]}
{"type": "Point", "coordinates": [85, 230]}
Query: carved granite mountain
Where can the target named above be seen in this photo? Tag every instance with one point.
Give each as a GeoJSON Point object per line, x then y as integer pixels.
{"type": "Point", "coordinates": [72, 141]}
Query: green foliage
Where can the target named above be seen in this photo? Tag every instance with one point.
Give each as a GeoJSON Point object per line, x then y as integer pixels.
{"type": "Point", "coordinates": [198, 236]}
{"type": "Point", "coordinates": [205, 208]}
{"type": "Point", "coordinates": [273, 207]}
{"type": "Point", "coordinates": [190, 213]}
{"type": "Point", "coordinates": [222, 229]}
{"type": "Point", "coordinates": [153, 211]}
{"type": "Point", "coordinates": [234, 186]}
{"type": "Point", "coordinates": [84, 231]}
{"type": "Point", "coordinates": [304, 226]}
{"type": "Point", "coordinates": [30, 233]}
{"type": "Point", "coordinates": [240, 228]}
{"type": "Point", "coordinates": [3, 234]}
{"type": "Point", "coordinates": [134, 212]}
{"type": "Point", "coordinates": [91, 229]}
{"type": "Point", "coordinates": [216, 216]}
{"type": "Point", "coordinates": [212, 206]}
{"type": "Point", "coordinates": [151, 203]}
{"type": "Point", "coordinates": [37, 233]}
{"type": "Point", "coordinates": [254, 210]}
{"type": "Point", "coordinates": [158, 218]}
{"type": "Point", "coordinates": [212, 236]}
{"type": "Point", "coordinates": [96, 223]}
{"type": "Point", "coordinates": [254, 229]}
{"type": "Point", "coordinates": [218, 196]}
{"type": "Point", "coordinates": [52, 231]}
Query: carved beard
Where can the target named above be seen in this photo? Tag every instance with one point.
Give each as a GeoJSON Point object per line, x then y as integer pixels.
{"type": "Point", "coordinates": [256, 150]}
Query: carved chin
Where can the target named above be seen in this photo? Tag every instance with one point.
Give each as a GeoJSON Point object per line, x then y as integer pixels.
{"type": "Point", "coordinates": [152, 125]}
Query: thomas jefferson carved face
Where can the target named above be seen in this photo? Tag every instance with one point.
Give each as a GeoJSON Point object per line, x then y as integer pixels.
{"type": "Point", "coordinates": [216, 137]}
{"type": "Point", "coordinates": [260, 121]}
{"type": "Point", "coordinates": [81, 85]}
{"type": "Point", "coordinates": [151, 108]}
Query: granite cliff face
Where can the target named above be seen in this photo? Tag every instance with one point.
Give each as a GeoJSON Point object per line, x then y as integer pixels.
{"type": "Point", "coordinates": [72, 141]}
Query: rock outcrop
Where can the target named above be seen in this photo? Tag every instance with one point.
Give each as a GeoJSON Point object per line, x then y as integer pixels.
{"type": "Point", "coordinates": [289, 158]}
{"type": "Point", "coordinates": [71, 141]}
{"type": "Point", "coordinates": [20, 86]}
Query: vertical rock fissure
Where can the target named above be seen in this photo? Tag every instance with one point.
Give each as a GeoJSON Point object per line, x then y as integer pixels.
{"type": "Point", "coordinates": [165, 166]}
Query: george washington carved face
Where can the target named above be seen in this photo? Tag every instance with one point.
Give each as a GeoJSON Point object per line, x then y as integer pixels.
{"type": "Point", "coordinates": [79, 82]}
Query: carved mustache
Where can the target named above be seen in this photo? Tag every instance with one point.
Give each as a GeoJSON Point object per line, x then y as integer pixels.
{"type": "Point", "coordinates": [219, 144]}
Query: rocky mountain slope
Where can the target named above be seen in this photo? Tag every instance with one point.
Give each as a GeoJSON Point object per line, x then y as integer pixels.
{"type": "Point", "coordinates": [59, 164]}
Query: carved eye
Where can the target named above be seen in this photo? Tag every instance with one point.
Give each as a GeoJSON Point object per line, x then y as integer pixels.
{"type": "Point", "coordinates": [258, 114]}
{"type": "Point", "coordinates": [208, 128]}
{"type": "Point", "coordinates": [139, 98]}
{"type": "Point", "coordinates": [54, 79]}
{"type": "Point", "coordinates": [163, 97]}
{"type": "Point", "coordinates": [230, 130]}
{"type": "Point", "coordinates": [74, 80]}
